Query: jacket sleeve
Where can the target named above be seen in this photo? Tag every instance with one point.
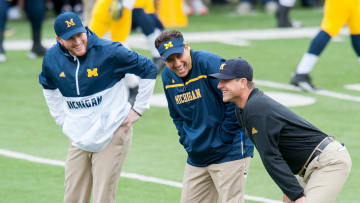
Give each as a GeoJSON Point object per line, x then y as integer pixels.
{"type": "Point", "coordinates": [177, 120]}
{"type": "Point", "coordinates": [52, 96]}
{"type": "Point", "coordinates": [230, 124]}
{"type": "Point", "coordinates": [54, 101]}
{"type": "Point", "coordinates": [265, 133]}
{"type": "Point", "coordinates": [130, 62]}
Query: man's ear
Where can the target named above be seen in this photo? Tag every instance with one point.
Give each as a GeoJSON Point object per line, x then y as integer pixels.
{"type": "Point", "coordinates": [186, 46]}
{"type": "Point", "coordinates": [59, 39]}
{"type": "Point", "coordinates": [243, 83]}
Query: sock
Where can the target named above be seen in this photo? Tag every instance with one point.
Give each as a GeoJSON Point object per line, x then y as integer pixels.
{"type": "Point", "coordinates": [287, 3]}
{"type": "Point", "coordinates": [307, 63]}
{"type": "Point", "coordinates": [355, 41]}
{"type": "Point", "coordinates": [309, 60]}
{"type": "Point", "coordinates": [151, 41]}
{"type": "Point", "coordinates": [319, 43]}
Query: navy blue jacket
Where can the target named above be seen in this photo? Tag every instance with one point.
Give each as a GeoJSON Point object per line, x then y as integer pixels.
{"type": "Point", "coordinates": [87, 95]}
{"type": "Point", "coordinates": [207, 127]}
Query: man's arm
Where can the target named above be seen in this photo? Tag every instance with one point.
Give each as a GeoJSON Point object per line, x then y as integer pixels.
{"type": "Point", "coordinates": [266, 134]}
{"type": "Point", "coordinates": [177, 120]}
{"type": "Point", "coordinates": [130, 62]}
{"type": "Point", "coordinates": [53, 97]}
{"type": "Point", "coordinates": [230, 124]}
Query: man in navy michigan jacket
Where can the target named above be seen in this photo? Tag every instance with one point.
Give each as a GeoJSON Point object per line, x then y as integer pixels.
{"type": "Point", "coordinates": [218, 152]}
{"type": "Point", "coordinates": [82, 79]}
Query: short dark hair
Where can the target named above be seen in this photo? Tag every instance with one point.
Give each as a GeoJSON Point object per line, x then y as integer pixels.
{"type": "Point", "coordinates": [167, 35]}
{"type": "Point", "coordinates": [250, 84]}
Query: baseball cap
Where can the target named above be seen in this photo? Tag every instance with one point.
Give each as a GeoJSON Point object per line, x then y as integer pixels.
{"type": "Point", "coordinates": [68, 24]}
{"type": "Point", "coordinates": [234, 68]}
{"type": "Point", "coordinates": [172, 46]}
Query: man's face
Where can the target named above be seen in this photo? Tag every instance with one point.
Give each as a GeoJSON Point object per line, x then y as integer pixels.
{"type": "Point", "coordinates": [180, 64]}
{"type": "Point", "coordinates": [76, 45]}
{"type": "Point", "coordinates": [231, 89]}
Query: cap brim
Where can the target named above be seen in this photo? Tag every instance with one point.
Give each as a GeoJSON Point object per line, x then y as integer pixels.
{"type": "Point", "coordinates": [69, 34]}
{"type": "Point", "coordinates": [222, 76]}
{"type": "Point", "coordinates": [175, 50]}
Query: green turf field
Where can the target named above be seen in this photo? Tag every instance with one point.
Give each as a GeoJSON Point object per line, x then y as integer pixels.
{"type": "Point", "coordinates": [27, 127]}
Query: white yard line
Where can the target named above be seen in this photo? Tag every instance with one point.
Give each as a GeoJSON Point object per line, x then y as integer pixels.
{"type": "Point", "coordinates": [321, 92]}
{"type": "Point", "coordinates": [233, 37]}
{"type": "Point", "coordinates": [27, 157]}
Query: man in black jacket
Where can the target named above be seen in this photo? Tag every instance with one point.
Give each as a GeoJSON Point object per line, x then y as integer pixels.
{"type": "Point", "coordinates": [287, 143]}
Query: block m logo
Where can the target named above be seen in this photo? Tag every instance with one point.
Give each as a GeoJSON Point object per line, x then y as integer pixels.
{"type": "Point", "coordinates": [92, 72]}
{"type": "Point", "coordinates": [168, 45]}
{"type": "Point", "coordinates": [222, 66]}
{"type": "Point", "coordinates": [70, 23]}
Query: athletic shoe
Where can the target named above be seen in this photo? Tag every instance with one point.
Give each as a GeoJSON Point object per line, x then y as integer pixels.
{"type": "Point", "coordinates": [2, 57]}
{"type": "Point", "coordinates": [37, 51]}
{"type": "Point", "coordinates": [187, 9]}
{"type": "Point", "coordinates": [199, 7]}
{"type": "Point", "coordinates": [303, 81]}
{"type": "Point", "coordinates": [244, 8]}
{"type": "Point", "coordinates": [160, 64]}
{"type": "Point", "coordinates": [271, 7]}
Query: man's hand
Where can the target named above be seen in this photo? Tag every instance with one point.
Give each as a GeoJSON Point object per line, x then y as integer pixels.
{"type": "Point", "coordinates": [130, 119]}
{"type": "Point", "coordinates": [286, 199]}
{"type": "Point", "coordinates": [300, 200]}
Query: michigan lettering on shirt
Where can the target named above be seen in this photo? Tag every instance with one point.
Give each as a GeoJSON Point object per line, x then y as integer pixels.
{"type": "Point", "coordinates": [188, 96]}
{"type": "Point", "coordinates": [87, 103]}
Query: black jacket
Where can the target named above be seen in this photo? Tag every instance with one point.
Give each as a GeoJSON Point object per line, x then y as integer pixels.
{"type": "Point", "coordinates": [284, 140]}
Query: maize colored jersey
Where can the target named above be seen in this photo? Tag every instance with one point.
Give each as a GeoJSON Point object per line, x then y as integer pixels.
{"type": "Point", "coordinates": [101, 21]}
{"type": "Point", "coordinates": [147, 5]}
{"type": "Point", "coordinates": [337, 13]}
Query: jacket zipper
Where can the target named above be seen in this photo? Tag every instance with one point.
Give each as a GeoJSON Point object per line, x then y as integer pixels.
{"type": "Point", "coordinates": [242, 142]}
{"type": "Point", "coordinates": [239, 117]}
{"type": "Point", "coordinates": [77, 75]}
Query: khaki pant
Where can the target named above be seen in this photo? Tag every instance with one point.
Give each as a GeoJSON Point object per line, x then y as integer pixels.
{"type": "Point", "coordinates": [99, 171]}
{"type": "Point", "coordinates": [326, 174]}
{"type": "Point", "coordinates": [224, 182]}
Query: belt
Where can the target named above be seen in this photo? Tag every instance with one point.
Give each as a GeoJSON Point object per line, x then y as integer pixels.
{"type": "Point", "coordinates": [317, 151]}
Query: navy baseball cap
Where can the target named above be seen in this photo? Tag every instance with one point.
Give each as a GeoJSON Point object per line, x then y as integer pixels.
{"type": "Point", "coordinates": [68, 24]}
{"type": "Point", "coordinates": [172, 46]}
{"type": "Point", "coordinates": [234, 68]}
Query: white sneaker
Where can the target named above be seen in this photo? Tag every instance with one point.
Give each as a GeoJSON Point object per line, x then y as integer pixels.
{"type": "Point", "coordinates": [14, 13]}
{"type": "Point", "coordinates": [2, 57]}
{"type": "Point", "coordinates": [199, 7]}
{"type": "Point", "coordinates": [244, 8]}
{"type": "Point", "coordinates": [187, 9]}
{"type": "Point", "coordinates": [271, 7]}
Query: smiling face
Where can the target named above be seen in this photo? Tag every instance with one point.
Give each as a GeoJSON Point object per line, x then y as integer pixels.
{"type": "Point", "coordinates": [180, 64]}
{"type": "Point", "coordinates": [76, 44]}
{"type": "Point", "coordinates": [231, 89]}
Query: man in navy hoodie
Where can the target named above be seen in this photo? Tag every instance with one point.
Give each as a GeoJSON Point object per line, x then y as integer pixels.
{"type": "Point", "coordinates": [82, 79]}
{"type": "Point", "coordinates": [218, 152]}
